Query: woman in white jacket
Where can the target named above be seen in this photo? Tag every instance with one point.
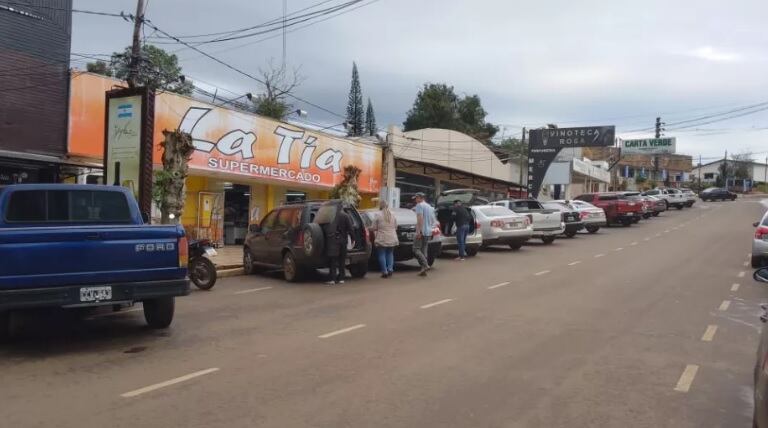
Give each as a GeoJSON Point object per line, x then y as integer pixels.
{"type": "Point", "coordinates": [385, 227]}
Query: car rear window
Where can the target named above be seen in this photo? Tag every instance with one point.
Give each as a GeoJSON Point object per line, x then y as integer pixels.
{"type": "Point", "coordinates": [523, 206]}
{"type": "Point", "coordinates": [496, 211]}
{"type": "Point", "coordinates": [465, 198]}
{"type": "Point", "coordinates": [554, 206]}
{"type": "Point", "coordinates": [608, 197]}
{"type": "Point", "coordinates": [67, 206]}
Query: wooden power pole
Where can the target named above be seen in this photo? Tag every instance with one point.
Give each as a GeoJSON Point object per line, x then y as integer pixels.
{"type": "Point", "coordinates": [133, 72]}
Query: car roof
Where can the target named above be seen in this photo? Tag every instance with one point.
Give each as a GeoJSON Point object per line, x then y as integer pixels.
{"type": "Point", "coordinates": [453, 191]}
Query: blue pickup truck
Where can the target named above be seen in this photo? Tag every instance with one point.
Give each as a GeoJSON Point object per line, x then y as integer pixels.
{"type": "Point", "coordinates": [76, 246]}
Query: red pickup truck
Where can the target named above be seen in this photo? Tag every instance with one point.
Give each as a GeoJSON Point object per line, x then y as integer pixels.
{"type": "Point", "coordinates": [617, 209]}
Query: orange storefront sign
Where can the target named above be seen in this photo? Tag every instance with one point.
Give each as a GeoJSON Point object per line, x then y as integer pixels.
{"type": "Point", "coordinates": [229, 142]}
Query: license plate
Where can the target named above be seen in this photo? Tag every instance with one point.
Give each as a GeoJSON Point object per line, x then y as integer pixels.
{"type": "Point", "coordinates": [410, 235]}
{"type": "Point", "coordinates": [95, 294]}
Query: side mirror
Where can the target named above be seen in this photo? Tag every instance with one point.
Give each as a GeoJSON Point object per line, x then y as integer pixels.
{"type": "Point", "coordinates": [145, 217]}
{"type": "Point", "coordinates": [755, 224]}
{"type": "Point", "coordinates": [254, 228]}
{"type": "Point", "coordinates": [761, 275]}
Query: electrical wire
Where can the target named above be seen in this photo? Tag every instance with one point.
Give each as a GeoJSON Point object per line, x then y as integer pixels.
{"type": "Point", "coordinates": [86, 12]}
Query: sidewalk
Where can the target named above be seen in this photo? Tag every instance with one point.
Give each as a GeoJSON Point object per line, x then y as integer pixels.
{"type": "Point", "coordinates": [229, 261]}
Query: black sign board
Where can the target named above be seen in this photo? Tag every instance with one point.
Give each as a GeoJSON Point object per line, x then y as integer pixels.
{"type": "Point", "coordinates": [545, 144]}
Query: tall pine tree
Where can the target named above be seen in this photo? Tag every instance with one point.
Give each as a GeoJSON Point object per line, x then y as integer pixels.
{"type": "Point", "coordinates": [355, 119]}
{"type": "Point", "coordinates": [370, 120]}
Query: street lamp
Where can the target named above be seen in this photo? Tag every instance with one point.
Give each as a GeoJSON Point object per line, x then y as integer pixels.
{"type": "Point", "coordinates": [246, 95]}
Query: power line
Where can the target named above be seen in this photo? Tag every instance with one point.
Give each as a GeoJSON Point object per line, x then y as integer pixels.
{"type": "Point", "coordinates": [86, 12]}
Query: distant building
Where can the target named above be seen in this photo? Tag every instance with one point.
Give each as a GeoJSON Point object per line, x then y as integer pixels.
{"type": "Point", "coordinates": [709, 172]}
{"type": "Point", "coordinates": [632, 170]}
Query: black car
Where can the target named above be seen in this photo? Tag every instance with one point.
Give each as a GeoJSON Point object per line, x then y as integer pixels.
{"type": "Point", "coordinates": [571, 217]}
{"type": "Point", "coordinates": [291, 237]}
{"type": "Point", "coordinates": [406, 231]}
{"type": "Point", "coordinates": [715, 193]}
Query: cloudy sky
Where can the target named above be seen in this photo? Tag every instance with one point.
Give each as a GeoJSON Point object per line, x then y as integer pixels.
{"type": "Point", "coordinates": [589, 62]}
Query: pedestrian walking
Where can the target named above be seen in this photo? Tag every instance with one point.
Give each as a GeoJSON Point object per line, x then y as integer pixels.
{"type": "Point", "coordinates": [385, 229]}
{"type": "Point", "coordinates": [337, 233]}
{"type": "Point", "coordinates": [461, 218]}
{"type": "Point", "coordinates": [425, 219]}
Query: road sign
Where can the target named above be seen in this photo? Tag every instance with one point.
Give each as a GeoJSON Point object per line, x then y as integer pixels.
{"type": "Point", "coordinates": [648, 146]}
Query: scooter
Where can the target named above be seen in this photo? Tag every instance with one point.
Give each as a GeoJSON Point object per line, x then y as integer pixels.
{"type": "Point", "coordinates": [202, 271]}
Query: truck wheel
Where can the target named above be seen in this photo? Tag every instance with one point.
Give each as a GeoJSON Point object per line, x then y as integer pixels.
{"type": "Point", "coordinates": [472, 251]}
{"type": "Point", "coordinates": [291, 270]}
{"type": "Point", "coordinates": [570, 234]}
{"type": "Point", "coordinates": [548, 240]}
{"type": "Point", "coordinates": [679, 207]}
{"type": "Point", "coordinates": [626, 223]}
{"type": "Point", "coordinates": [203, 273]}
{"type": "Point", "coordinates": [656, 213]}
{"type": "Point", "coordinates": [593, 229]}
{"type": "Point", "coordinates": [516, 246]}
{"type": "Point", "coordinates": [757, 262]}
{"type": "Point", "coordinates": [358, 270]}
{"type": "Point", "coordinates": [248, 267]}
{"type": "Point", "coordinates": [159, 312]}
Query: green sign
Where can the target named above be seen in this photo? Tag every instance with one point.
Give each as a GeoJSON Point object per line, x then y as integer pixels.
{"type": "Point", "coordinates": [648, 146]}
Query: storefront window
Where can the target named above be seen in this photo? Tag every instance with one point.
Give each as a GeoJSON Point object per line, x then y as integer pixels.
{"type": "Point", "coordinates": [410, 184]}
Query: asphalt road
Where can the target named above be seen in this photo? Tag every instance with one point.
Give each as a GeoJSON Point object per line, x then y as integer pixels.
{"type": "Point", "coordinates": [632, 327]}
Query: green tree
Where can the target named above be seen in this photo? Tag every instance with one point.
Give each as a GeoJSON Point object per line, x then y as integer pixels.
{"type": "Point", "coordinates": [347, 189]}
{"type": "Point", "coordinates": [158, 69]}
{"type": "Point", "coordinates": [370, 120]}
{"type": "Point", "coordinates": [99, 67]}
{"type": "Point", "coordinates": [438, 106]}
{"type": "Point", "coordinates": [355, 112]}
{"type": "Point", "coordinates": [514, 147]}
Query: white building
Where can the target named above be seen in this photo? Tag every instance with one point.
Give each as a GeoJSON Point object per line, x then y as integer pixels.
{"type": "Point", "coordinates": [710, 171]}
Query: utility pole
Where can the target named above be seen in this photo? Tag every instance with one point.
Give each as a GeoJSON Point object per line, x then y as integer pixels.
{"type": "Point", "coordinates": [700, 174]}
{"type": "Point", "coordinates": [285, 15]}
{"type": "Point", "coordinates": [656, 158]}
{"type": "Point", "coordinates": [522, 165]}
{"type": "Point", "coordinates": [725, 169]}
{"type": "Point", "coordinates": [133, 72]}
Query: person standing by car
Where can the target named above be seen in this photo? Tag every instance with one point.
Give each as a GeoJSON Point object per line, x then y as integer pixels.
{"type": "Point", "coordinates": [425, 216]}
{"type": "Point", "coordinates": [385, 227]}
{"type": "Point", "coordinates": [336, 234]}
{"type": "Point", "coordinates": [461, 218]}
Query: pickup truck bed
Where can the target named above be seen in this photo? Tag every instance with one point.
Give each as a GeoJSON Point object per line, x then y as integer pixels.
{"type": "Point", "coordinates": [547, 224]}
{"type": "Point", "coordinates": [78, 246]}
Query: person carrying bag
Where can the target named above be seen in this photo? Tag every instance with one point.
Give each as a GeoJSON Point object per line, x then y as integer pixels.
{"type": "Point", "coordinates": [385, 228]}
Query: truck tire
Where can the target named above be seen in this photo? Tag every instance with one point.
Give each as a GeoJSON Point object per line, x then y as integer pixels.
{"type": "Point", "coordinates": [516, 246]}
{"type": "Point", "coordinates": [626, 223]}
{"type": "Point", "coordinates": [248, 267]}
{"type": "Point", "coordinates": [547, 239]}
{"type": "Point", "coordinates": [358, 270]}
{"type": "Point", "coordinates": [679, 207]}
{"type": "Point", "coordinates": [473, 250]}
{"type": "Point", "coordinates": [314, 241]}
{"type": "Point", "coordinates": [291, 271]}
{"type": "Point", "coordinates": [757, 262]}
{"type": "Point", "coordinates": [656, 213]}
{"type": "Point", "coordinates": [159, 312]}
{"type": "Point", "coordinates": [592, 229]}
{"type": "Point", "coordinates": [570, 234]}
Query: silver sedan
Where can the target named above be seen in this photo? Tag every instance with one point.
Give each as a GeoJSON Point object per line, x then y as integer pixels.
{"type": "Point", "coordinates": [502, 226]}
{"type": "Point", "coordinates": [760, 242]}
{"type": "Point", "coordinates": [592, 216]}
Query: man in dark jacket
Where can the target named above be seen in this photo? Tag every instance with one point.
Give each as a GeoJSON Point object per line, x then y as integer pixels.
{"type": "Point", "coordinates": [336, 234]}
{"type": "Point", "coordinates": [462, 218]}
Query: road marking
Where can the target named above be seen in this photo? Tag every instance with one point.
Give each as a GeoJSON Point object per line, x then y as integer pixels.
{"type": "Point", "coordinates": [746, 264]}
{"type": "Point", "coordinates": [749, 255]}
{"type": "Point", "coordinates": [633, 244]}
{"type": "Point", "coordinates": [657, 235]}
{"type": "Point", "coordinates": [597, 256]}
{"type": "Point", "coordinates": [686, 379]}
{"type": "Point", "coordinates": [725, 305]}
{"type": "Point", "coordinates": [735, 287]}
{"type": "Point", "coordinates": [666, 231]}
{"type": "Point", "coordinates": [252, 290]}
{"type": "Point", "coordinates": [741, 274]}
{"type": "Point", "coordinates": [157, 386]}
{"type": "Point", "coordinates": [342, 331]}
{"type": "Point", "coordinates": [618, 249]}
{"type": "Point", "coordinates": [498, 285]}
{"type": "Point", "coordinates": [574, 263]}
{"type": "Point", "coordinates": [440, 302]}
{"type": "Point", "coordinates": [544, 272]}
{"type": "Point", "coordinates": [112, 314]}
{"type": "Point", "coordinates": [646, 239]}
{"type": "Point", "coordinates": [709, 334]}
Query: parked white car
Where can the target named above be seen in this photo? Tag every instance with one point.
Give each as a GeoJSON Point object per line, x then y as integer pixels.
{"type": "Point", "coordinates": [501, 226]}
{"type": "Point", "coordinates": [547, 224]}
{"type": "Point", "coordinates": [673, 197]}
{"type": "Point", "coordinates": [592, 216]}
{"type": "Point", "coordinates": [690, 197]}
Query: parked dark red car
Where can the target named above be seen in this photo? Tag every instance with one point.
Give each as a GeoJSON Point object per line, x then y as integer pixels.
{"type": "Point", "coordinates": [617, 208]}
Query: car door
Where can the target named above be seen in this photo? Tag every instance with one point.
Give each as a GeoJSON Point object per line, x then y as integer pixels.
{"type": "Point", "coordinates": [258, 240]}
{"type": "Point", "coordinates": [282, 234]}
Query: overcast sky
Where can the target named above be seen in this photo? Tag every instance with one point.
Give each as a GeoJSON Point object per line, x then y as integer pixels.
{"type": "Point", "coordinates": [589, 62]}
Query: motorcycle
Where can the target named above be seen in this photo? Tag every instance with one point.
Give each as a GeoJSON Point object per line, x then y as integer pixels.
{"type": "Point", "coordinates": [202, 271]}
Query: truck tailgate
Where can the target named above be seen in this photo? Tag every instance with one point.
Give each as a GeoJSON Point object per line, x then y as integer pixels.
{"type": "Point", "coordinates": [43, 256]}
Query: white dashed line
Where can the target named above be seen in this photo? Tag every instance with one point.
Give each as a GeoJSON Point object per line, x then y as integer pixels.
{"type": "Point", "coordinates": [252, 290]}
{"type": "Point", "coordinates": [709, 333]}
{"type": "Point", "coordinates": [633, 244]}
{"type": "Point", "coordinates": [168, 383]}
{"type": "Point", "coordinates": [741, 274]}
{"type": "Point", "coordinates": [646, 239]}
{"type": "Point", "coordinates": [666, 231]}
{"type": "Point", "coordinates": [544, 272]}
{"type": "Point", "coordinates": [657, 235]}
{"type": "Point", "coordinates": [342, 331]}
{"type": "Point", "coordinates": [574, 263]}
{"type": "Point", "coordinates": [503, 284]}
{"type": "Point", "coordinates": [725, 305]}
{"type": "Point", "coordinates": [735, 287]}
{"type": "Point", "coordinates": [686, 379]}
{"type": "Point", "coordinates": [440, 302]}
{"type": "Point", "coordinates": [746, 264]}
{"type": "Point", "coordinates": [618, 249]}
{"type": "Point", "coordinates": [597, 256]}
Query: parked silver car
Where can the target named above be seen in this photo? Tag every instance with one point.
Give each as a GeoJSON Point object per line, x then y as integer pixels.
{"type": "Point", "coordinates": [592, 216]}
{"type": "Point", "coordinates": [760, 242]}
{"type": "Point", "coordinates": [501, 226]}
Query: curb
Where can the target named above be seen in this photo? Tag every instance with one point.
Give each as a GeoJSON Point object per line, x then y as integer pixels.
{"type": "Point", "coordinates": [227, 273]}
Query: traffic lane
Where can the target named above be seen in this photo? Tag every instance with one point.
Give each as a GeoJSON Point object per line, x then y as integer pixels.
{"type": "Point", "coordinates": [447, 345]}
{"type": "Point", "coordinates": [204, 336]}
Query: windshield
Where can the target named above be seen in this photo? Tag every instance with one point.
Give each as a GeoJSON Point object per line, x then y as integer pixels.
{"type": "Point", "coordinates": [554, 206]}
{"type": "Point", "coordinates": [524, 206]}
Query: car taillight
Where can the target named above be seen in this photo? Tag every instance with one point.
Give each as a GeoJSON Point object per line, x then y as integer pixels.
{"type": "Point", "coordinates": [497, 223]}
{"type": "Point", "coordinates": [761, 232]}
{"type": "Point", "coordinates": [526, 221]}
{"type": "Point", "coordinates": [183, 252]}
{"type": "Point", "coordinates": [583, 215]}
{"type": "Point", "coordinates": [477, 225]}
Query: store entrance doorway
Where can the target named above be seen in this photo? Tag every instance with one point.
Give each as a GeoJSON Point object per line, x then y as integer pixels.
{"type": "Point", "coordinates": [237, 198]}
